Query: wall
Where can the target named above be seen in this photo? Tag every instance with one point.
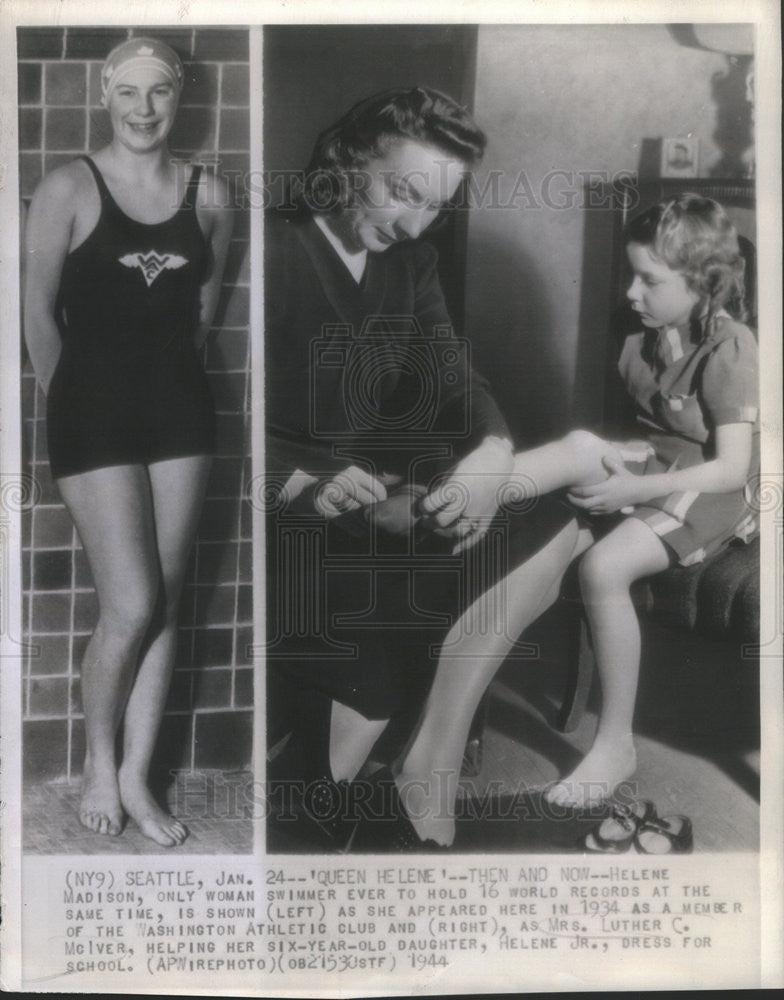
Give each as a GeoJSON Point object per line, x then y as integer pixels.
{"type": "Point", "coordinates": [570, 98]}
{"type": "Point", "coordinates": [208, 717]}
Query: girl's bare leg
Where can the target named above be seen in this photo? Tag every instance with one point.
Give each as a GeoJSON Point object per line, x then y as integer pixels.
{"type": "Point", "coordinates": [574, 460]}
{"type": "Point", "coordinates": [430, 768]}
{"type": "Point", "coordinates": [177, 489]}
{"type": "Point", "coordinates": [112, 511]}
{"type": "Point", "coordinates": [607, 572]}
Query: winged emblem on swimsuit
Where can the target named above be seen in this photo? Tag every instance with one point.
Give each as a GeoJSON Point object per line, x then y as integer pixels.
{"type": "Point", "coordinates": [153, 263]}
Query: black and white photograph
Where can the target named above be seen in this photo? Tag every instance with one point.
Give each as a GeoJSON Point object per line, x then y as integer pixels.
{"type": "Point", "coordinates": [390, 497]}
{"type": "Point", "coordinates": [136, 556]}
{"type": "Point", "coordinates": [510, 452]}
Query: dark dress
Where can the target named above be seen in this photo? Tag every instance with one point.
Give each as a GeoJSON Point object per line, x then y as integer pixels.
{"type": "Point", "coordinates": [129, 386]}
{"type": "Point", "coordinates": [369, 374]}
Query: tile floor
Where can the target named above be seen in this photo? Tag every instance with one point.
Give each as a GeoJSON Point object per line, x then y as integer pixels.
{"type": "Point", "coordinates": [212, 805]}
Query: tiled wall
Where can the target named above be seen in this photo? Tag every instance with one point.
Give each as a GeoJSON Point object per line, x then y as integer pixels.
{"type": "Point", "coordinates": [208, 719]}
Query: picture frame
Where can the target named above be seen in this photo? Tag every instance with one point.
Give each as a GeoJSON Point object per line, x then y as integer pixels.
{"type": "Point", "coordinates": [680, 157]}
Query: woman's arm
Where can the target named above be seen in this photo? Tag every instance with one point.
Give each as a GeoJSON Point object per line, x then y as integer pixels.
{"type": "Point", "coordinates": [727, 472]}
{"type": "Point", "coordinates": [217, 221]}
{"type": "Point", "coordinates": [47, 241]}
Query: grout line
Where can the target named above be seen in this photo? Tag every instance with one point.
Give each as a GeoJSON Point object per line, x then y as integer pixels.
{"type": "Point", "coordinates": [91, 60]}
{"type": "Point", "coordinates": [69, 768]}
{"type": "Point", "coordinates": [71, 652]}
{"type": "Point", "coordinates": [238, 563]}
{"type": "Point", "coordinates": [180, 713]}
{"type": "Point", "coordinates": [192, 734]}
{"type": "Point", "coordinates": [179, 669]}
{"type": "Point", "coordinates": [219, 111]}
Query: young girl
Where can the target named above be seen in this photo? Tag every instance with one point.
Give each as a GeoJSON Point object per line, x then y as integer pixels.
{"type": "Point", "coordinates": [678, 495]}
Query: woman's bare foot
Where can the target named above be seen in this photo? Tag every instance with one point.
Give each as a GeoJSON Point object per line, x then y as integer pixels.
{"type": "Point", "coordinates": [597, 775]}
{"type": "Point", "coordinates": [100, 809]}
{"type": "Point", "coordinates": [425, 801]}
{"type": "Point", "coordinates": [154, 822]}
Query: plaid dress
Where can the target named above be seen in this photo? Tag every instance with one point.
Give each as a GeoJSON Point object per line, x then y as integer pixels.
{"type": "Point", "coordinates": [684, 386]}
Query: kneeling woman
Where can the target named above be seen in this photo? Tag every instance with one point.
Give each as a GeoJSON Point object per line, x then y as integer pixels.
{"type": "Point", "coordinates": [125, 255]}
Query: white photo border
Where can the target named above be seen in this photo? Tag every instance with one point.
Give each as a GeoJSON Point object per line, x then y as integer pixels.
{"type": "Point", "coordinates": [765, 15]}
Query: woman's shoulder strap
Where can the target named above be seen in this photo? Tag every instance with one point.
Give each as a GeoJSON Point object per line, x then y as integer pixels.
{"type": "Point", "coordinates": [100, 183]}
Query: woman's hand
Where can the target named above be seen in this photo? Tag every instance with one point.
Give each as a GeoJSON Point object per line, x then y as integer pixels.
{"type": "Point", "coordinates": [620, 491]}
{"type": "Point", "coordinates": [463, 506]}
{"type": "Point", "coordinates": [348, 490]}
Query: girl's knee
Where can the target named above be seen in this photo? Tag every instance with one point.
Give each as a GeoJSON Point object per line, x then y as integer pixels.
{"type": "Point", "coordinates": [583, 442]}
{"type": "Point", "coordinates": [612, 565]}
{"type": "Point", "coordinates": [598, 572]}
{"type": "Point", "coordinates": [586, 453]}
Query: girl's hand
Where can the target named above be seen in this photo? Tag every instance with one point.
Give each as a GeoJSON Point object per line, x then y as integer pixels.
{"type": "Point", "coordinates": [622, 489]}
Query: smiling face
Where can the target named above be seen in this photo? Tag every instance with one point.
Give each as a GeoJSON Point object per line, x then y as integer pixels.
{"type": "Point", "coordinates": [142, 108]}
{"type": "Point", "coordinates": [398, 195]}
{"type": "Point", "coordinates": [658, 294]}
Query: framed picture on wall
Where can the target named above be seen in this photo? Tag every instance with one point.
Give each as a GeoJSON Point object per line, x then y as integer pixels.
{"type": "Point", "coordinates": [680, 157]}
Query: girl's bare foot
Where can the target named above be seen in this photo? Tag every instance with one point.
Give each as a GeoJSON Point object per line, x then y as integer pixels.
{"type": "Point", "coordinates": [425, 801]}
{"type": "Point", "coordinates": [597, 775]}
{"type": "Point", "coordinates": [100, 809]}
{"type": "Point", "coordinates": [154, 822]}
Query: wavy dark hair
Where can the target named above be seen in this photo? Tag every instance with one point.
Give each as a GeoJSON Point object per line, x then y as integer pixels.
{"type": "Point", "coordinates": [694, 235]}
{"type": "Point", "coordinates": [366, 131]}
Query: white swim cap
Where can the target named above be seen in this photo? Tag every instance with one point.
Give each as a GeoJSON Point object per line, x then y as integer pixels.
{"type": "Point", "coordinates": [137, 53]}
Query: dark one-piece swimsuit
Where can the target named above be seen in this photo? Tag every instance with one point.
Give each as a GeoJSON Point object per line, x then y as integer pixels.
{"type": "Point", "coordinates": [129, 386]}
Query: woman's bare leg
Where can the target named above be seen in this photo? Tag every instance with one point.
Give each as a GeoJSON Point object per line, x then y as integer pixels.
{"type": "Point", "coordinates": [607, 572]}
{"type": "Point", "coordinates": [112, 511]}
{"type": "Point", "coordinates": [177, 488]}
{"type": "Point", "coordinates": [430, 769]}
